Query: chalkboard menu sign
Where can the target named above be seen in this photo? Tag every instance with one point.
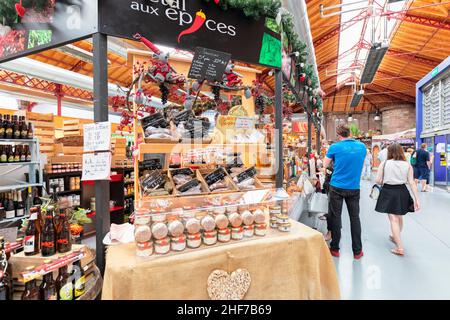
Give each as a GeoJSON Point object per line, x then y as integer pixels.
{"type": "Point", "coordinates": [188, 185]}
{"type": "Point", "coordinates": [186, 171]}
{"type": "Point", "coordinates": [153, 180]}
{"type": "Point", "coordinates": [208, 64]}
{"type": "Point", "coordinates": [247, 174]}
{"type": "Point", "coordinates": [215, 176]}
{"type": "Point", "coordinates": [150, 164]}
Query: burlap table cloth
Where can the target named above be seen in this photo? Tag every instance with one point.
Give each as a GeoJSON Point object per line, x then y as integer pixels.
{"type": "Point", "coordinates": [295, 265]}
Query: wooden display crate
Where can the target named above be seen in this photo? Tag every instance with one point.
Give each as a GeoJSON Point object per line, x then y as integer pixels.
{"type": "Point", "coordinates": [44, 131]}
{"type": "Point", "coordinates": [204, 187]}
{"type": "Point", "coordinates": [228, 180]}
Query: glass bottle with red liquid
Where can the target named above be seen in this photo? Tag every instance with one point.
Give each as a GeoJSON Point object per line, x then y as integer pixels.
{"type": "Point", "coordinates": [63, 241]}
{"type": "Point", "coordinates": [48, 239]}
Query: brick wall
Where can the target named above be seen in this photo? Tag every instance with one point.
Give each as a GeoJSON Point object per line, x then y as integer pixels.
{"type": "Point", "coordinates": [394, 119]}
{"type": "Point", "coordinates": [399, 118]}
{"type": "Point", "coordinates": [365, 121]}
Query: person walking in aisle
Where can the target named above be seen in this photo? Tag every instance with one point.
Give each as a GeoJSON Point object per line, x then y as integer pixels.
{"type": "Point", "coordinates": [394, 198]}
{"type": "Point", "coordinates": [382, 155]}
{"type": "Point", "coordinates": [348, 157]}
{"type": "Point", "coordinates": [423, 166]}
{"type": "Point", "coordinates": [367, 170]}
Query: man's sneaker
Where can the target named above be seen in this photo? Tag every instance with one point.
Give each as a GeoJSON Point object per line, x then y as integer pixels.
{"type": "Point", "coordinates": [358, 256]}
{"type": "Point", "coordinates": [335, 253]}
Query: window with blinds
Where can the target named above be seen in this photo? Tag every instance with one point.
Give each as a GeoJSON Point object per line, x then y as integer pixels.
{"type": "Point", "coordinates": [446, 101]}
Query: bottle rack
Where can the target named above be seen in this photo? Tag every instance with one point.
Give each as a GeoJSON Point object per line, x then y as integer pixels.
{"type": "Point", "coordinates": [43, 269]}
{"type": "Point", "coordinates": [33, 166]}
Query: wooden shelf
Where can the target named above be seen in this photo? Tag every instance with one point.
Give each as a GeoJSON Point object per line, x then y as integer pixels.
{"type": "Point", "coordinates": [63, 174]}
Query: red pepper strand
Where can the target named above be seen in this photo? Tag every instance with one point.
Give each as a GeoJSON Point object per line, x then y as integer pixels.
{"type": "Point", "coordinates": [200, 19]}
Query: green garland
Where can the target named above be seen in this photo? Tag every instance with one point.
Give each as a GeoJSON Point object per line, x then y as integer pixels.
{"type": "Point", "coordinates": [252, 8]}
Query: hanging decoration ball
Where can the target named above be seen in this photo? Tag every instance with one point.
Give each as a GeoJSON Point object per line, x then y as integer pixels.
{"type": "Point", "coordinates": [216, 1]}
{"type": "Point", "coordinates": [248, 93]}
{"type": "Point", "coordinates": [20, 10]}
{"type": "Point", "coordinates": [302, 77]}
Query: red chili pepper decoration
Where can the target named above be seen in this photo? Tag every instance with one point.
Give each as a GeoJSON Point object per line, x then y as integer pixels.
{"type": "Point", "coordinates": [20, 9]}
{"type": "Point", "coordinates": [200, 19]}
{"type": "Point", "coordinates": [147, 42]}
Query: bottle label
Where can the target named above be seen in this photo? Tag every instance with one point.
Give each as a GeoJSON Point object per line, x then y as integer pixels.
{"type": "Point", "coordinates": [66, 292]}
{"type": "Point", "coordinates": [11, 159]}
{"type": "Point", "coordinates": [52, 297]}
{"type": "Point", "coordinates": [47, 244]}
{"type": "Point", "coordinates": [3, 158]}
{"type": "Point", "coordinates": [20, 212]}
{"type": "Point", "coordinates": [9, 131]}
{"type": "Point", "coordinates": [29, 244]}
{"type": "Point", "coordinates": [80, 286]}
{"type": "Point", "coordinates": [10, 214]}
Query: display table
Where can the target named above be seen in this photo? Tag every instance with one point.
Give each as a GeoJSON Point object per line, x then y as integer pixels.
{"type": "Point", "coordinates": [295, 265]}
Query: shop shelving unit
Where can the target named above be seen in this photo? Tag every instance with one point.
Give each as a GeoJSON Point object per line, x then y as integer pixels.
{"type": "Point", "coordinates": [33, 166]}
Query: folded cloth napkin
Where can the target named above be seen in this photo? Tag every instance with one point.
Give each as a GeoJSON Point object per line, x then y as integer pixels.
{"type": "Point", "coordinates": [123, 233]}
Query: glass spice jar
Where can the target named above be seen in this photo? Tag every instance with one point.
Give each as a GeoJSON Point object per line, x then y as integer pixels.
{"type": "Point", "coordinates": [224, 235]}
{"type": "Point", "coordinates": [178, 243]}
{"type": "Point", "coordinates": [260, 229]}
{"type": "Point", "coordinates": [249, 231]}
{"type": "Point", "coordinates": [144, 249]}
{"type": "Point", "coordinates": [210, 237]}
{"type": "Point", "coordinates": [194, 240]}
{"type": "Point", "coordinates": [237, 233]}
{"type": "Point", "coordinates": [162, 246]}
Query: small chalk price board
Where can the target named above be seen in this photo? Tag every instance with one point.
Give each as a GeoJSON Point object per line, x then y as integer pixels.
{"type": "Point", "coordinates": [188, 185]}
{"type": "Point", "coordinates": [249, 173]}
{"type": "Point", "coordinates": [215, 176]}
{"type": "Point", "coordinates": [208, 64]}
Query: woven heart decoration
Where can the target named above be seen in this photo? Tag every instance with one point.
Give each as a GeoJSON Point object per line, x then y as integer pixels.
{"type": "Point", "coordinates": [223, 286]}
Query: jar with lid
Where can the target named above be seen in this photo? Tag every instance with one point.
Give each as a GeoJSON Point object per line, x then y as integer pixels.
{"type": "Point", "coordinates": [178, 243]}
{"type": "Point", "coordinates": [249, 231]}
{"type": "Point", "coordinates": [210, 237]}
{"type": "Point", "coordinates": [237, 233]}
{"type": "Point", "coordinates": [162, 246]}
{"type": "Point", "coordinates": [260, 229]}
{"type": "Point", "coordinates": [194, 240]}
{"type": "Point", "coordinates": [224, 235]}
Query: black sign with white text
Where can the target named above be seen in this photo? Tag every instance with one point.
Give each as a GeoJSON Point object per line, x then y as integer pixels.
{"type": "Point", "coordinates": [208, 64]}
{"type": "Point", "coordinates": [189, 24]}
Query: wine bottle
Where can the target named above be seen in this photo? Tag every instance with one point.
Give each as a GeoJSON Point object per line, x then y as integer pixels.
{"type": "Point", "coordinates": [17, 153]}
{"type": "Point", "coordinates": [30, 131]}
{"type": "Point", "coordinates": [16, 128]}
{"type": "Point", "coordinates": [3, 155]}
{"type": "Point", "coordinates": [10, 154]}
{"type": "Point", "coordinates": [10, 210]}
{"type": "Point", "coordinates": [20, 209]}
{"type": "Point", "coordinates": [24, 129]}
{"type": "Point", "coordinates": [8, 128]}
{"type": "Point", "coordinates": [2, 128]}
{"type": "Point", "coordinates": [23, 155]}
{"type": "Point", "coordinates": [27, 154]}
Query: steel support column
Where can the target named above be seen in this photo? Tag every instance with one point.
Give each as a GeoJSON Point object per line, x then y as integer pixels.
{"type": "Point", "coordinates": [279, 128]}
{"type": "Point", "coordinates": [102, 188]}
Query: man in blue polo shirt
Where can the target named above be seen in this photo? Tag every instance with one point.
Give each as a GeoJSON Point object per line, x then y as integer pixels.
{"type": "Point", "coordinates": [348, 156]}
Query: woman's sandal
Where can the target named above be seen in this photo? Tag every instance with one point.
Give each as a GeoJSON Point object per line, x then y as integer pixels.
{"type": "Point", "coordinates": [392, 239]}
{"type": "Point", "coordinates": [398, 252]}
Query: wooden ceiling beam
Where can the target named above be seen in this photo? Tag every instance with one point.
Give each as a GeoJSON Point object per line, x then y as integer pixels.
{"type": "Point", "coordinates": [383, 92]}
{"type": "Point", "coordinates": [412, 57]}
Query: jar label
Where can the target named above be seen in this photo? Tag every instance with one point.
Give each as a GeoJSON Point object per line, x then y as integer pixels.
{"type": "Point", "coordinates": [80, 286]}
{"type": "Point", "coordinates": [52, 297]}
{"type": "Point", "coordinates": [29, 244]}
{"type": "Point", "coordinates": [66, 292]}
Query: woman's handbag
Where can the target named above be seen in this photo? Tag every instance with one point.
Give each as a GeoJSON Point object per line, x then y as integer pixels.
{"type": "Point", "coordinates": [376, 188]}
{"type": "Point", "coordinates": [319, 203]}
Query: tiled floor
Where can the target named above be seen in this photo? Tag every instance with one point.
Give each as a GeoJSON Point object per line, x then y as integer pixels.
{"type": "Point", "coordinates": [422, 274]}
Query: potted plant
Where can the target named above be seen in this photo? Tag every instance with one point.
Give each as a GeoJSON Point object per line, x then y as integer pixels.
{"type": "Point", "coordinates": [77, 221]}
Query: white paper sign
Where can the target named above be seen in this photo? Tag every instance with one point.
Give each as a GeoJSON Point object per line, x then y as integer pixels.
{"type": "Point", "coordinates": [440, 148]}
{"type": "Point", "coordinates": [244, 123]}
{"type": "Point", "coordinates": [97, 136]}
{"type": "Point", "coordinates": [96, 166]}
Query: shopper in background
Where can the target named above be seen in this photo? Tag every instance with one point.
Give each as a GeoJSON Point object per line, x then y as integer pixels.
{"type": "Point", "coordinates": [382, 155]}
{"type": "Point", "coordinates": [408, 154]}
{"type": "Point", "coordinates": [367, 169]}
{"type": "Point", "coordinates": [423, 167]}
{"type": "Point", "coordinates": [394, 198]}
{"type": "Point", "coordinates": [348, 157]}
